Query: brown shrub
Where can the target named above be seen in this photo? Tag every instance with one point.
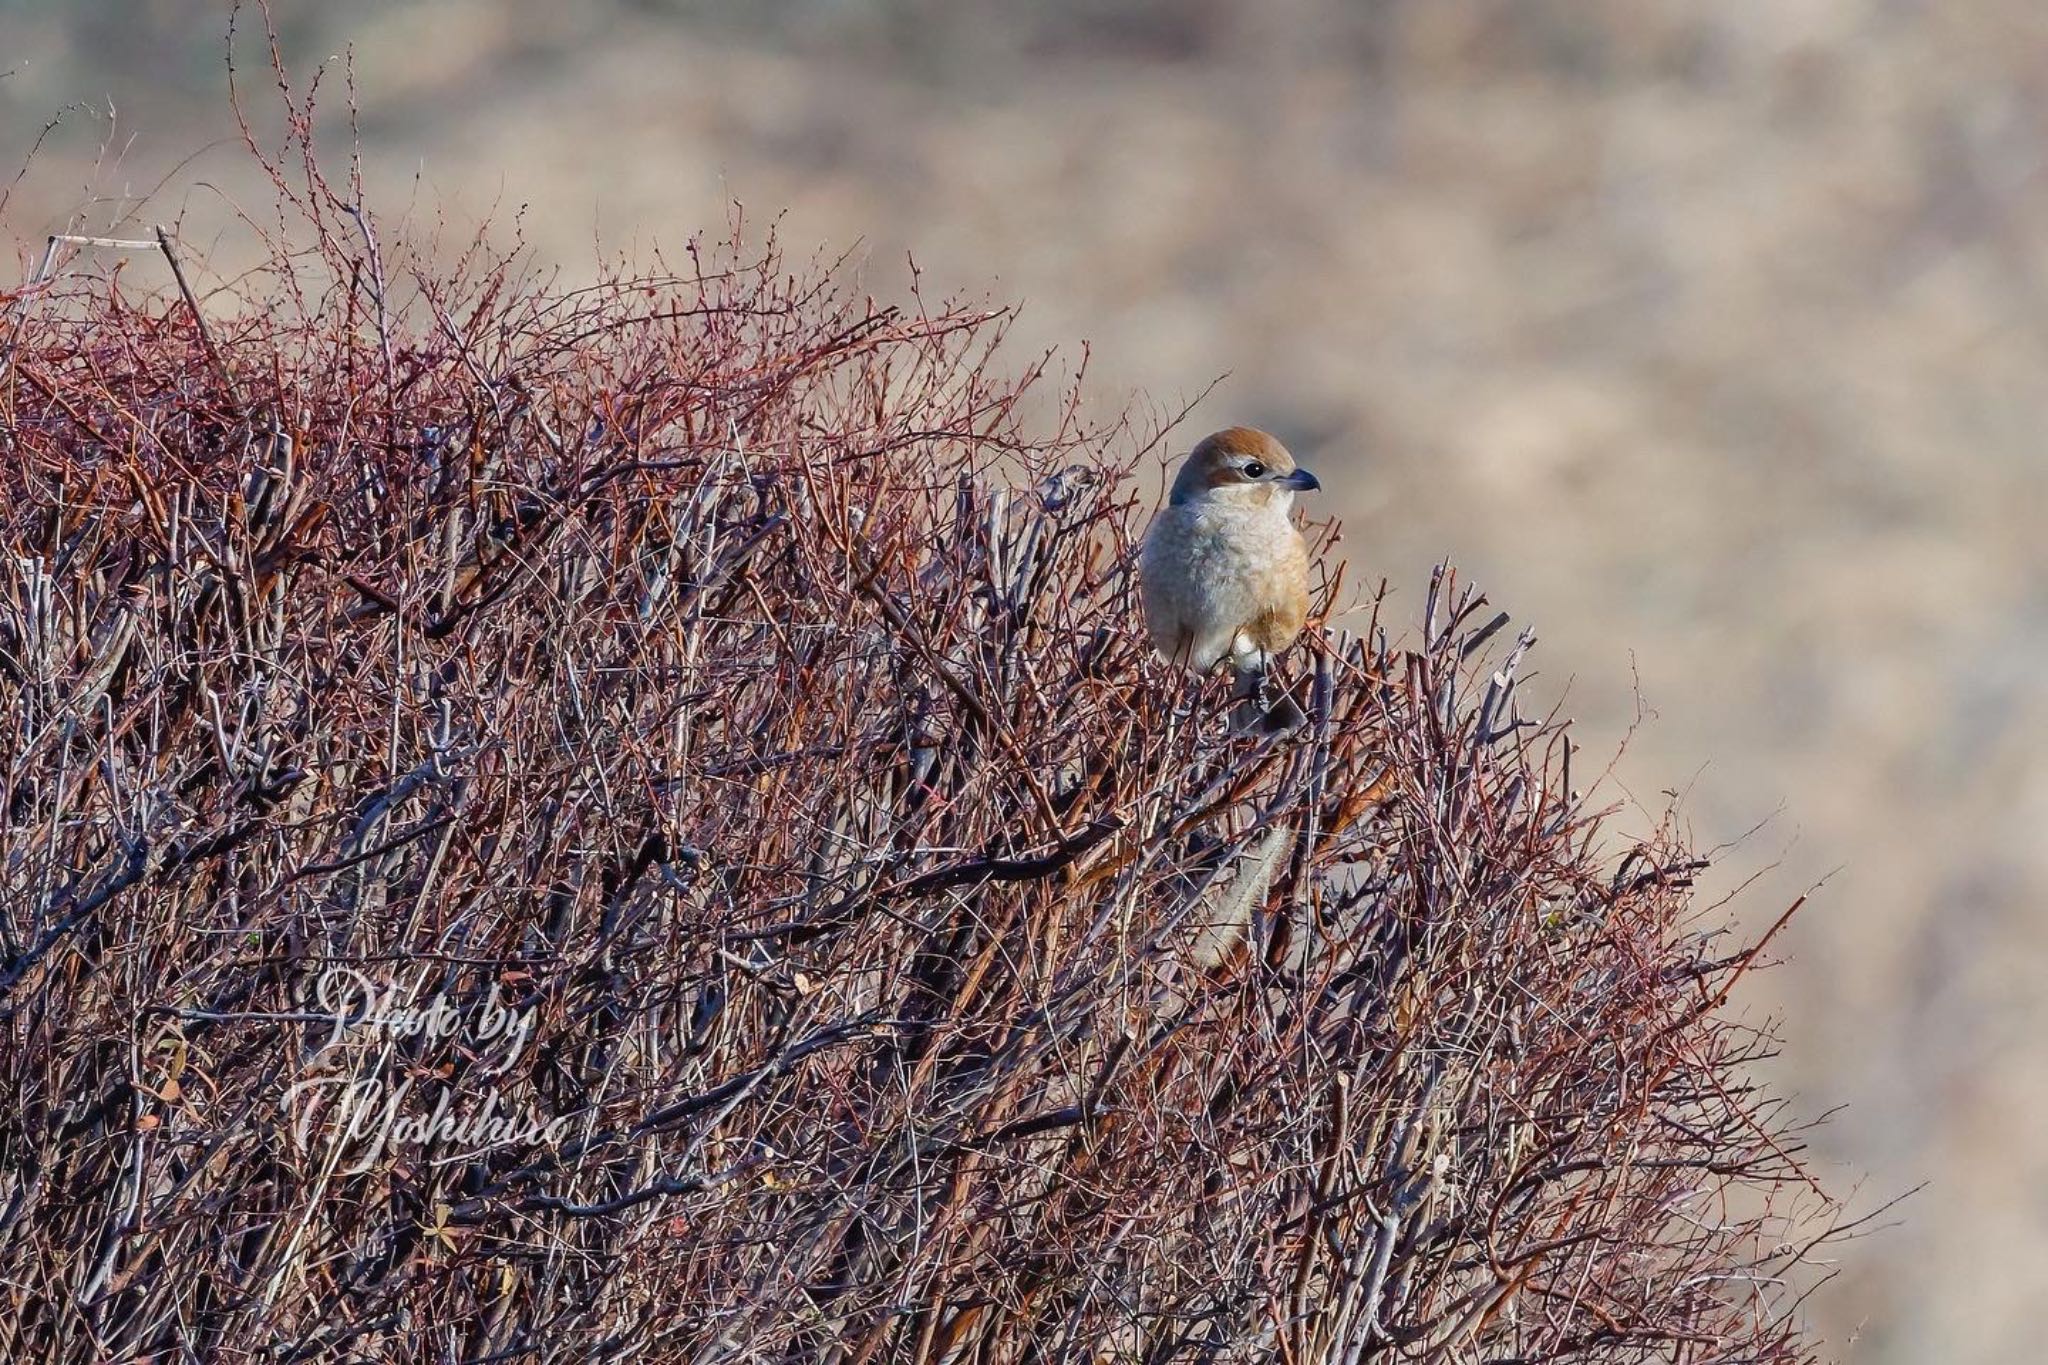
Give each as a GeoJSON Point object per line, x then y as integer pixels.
{"type": "Point", "coordinates": [739, 681]}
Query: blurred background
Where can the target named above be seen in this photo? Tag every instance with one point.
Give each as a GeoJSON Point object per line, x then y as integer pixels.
{"type": "Point", "coordinates": [1712, 339]}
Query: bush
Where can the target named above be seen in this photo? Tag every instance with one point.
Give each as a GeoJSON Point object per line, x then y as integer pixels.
{"type": "Point", "coordinates": [712, 701]}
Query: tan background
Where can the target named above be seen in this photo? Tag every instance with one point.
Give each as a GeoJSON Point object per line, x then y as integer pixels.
{"type": "Point", "coordinates": [1712, 338]}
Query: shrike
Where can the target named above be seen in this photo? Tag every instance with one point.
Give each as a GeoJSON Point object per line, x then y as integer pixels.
{"type": "Point", "coordinates": [1224, 573]}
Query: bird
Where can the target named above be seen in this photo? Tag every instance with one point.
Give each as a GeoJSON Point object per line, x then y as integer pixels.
{"type": "Point", "coordinates": [1223, 574]}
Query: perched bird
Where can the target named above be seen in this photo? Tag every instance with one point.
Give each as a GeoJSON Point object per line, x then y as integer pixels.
{"type": "Point", "coordinates": [1224, 573]}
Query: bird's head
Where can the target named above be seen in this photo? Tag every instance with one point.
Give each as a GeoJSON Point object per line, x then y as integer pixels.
{"type": "Point", "coordinates": [1241, 466]}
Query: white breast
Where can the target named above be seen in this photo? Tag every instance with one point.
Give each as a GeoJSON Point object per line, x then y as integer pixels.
{"type": "Point", "coordinates": [1200, 575]}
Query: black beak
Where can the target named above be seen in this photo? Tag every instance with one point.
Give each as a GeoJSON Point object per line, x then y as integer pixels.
{"type": "Point", "coordinates": [1301, 481]}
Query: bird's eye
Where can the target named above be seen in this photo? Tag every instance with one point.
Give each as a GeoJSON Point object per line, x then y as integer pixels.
{"type": "Point", "coordinates": [1254, 470]}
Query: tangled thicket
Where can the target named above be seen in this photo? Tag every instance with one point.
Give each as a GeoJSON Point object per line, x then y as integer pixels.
{"type": "Point", "coordinates": [738, 682]}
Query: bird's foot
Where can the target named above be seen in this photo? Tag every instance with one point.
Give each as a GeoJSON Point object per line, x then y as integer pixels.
{"type": "Point", "coordinates": [1263, 708]}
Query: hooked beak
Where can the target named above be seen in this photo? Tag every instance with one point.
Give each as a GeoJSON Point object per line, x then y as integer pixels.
{"type": "Point", "coordinates": [1301, 481]}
